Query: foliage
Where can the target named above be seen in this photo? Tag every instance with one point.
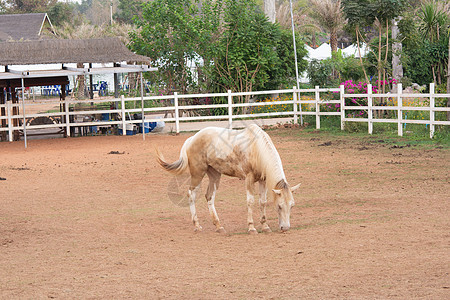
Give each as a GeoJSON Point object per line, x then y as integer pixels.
{"type": "Point", "coordinates": [128, 10]}
{"type": "Point", "coordinates": [425, 43]}
{"type": "Point", "coordinates": [231, 42]}
{"type": "Point", "coordinates": [168, 33]}
{"type": "Point", "coordinates": [319, 73]}
{"type": "Point", "coordinates": [363, 14]}
{"type": "Point", "coordinates": [62, 12]}
{"type": "Point", "coordinates": [330, 72]}
{"type": "Point", "coordinates": [253, 53]}
{"type": "Point", "coordinates": [433, 20]}
{"type": "Point", "coordinates": [329, 15]}
{"type": "Point", "coordinates": [273, 107]}
{"type": "Point", "coordinates": [26, 6]}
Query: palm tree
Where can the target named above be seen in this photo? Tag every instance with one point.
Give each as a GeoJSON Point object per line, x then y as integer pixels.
{"type": "Point", "coordinates": [304, 23]}
{"type": "Point", "coordinates": [329, 15]}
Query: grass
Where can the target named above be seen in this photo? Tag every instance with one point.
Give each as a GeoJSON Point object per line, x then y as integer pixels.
{"type": "Point", "coordinates": [413, 134]}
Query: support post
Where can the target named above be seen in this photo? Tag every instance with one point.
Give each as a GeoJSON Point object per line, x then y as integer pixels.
{"type": "Point", "coordinates": [369, 109]}
{"type": "Point", "coordinates": [295, 107]}
{"type": "Point", "coordinates": [317, 107]}
{"type": "Point", "coordinates": [23, 114]}
{"type": "Point", "coordinates": [177, 113]}
{"type": "Point", "coordinates": [67, 117]}
{"type": "Point", "coordinates": [342, 98]}
{"type": "Point", "coordinates": [10, 123]}
{"type": "Point", "coordinates": [122, 108]}
{"type": "Point", "coordinates": [230, 110]}
{"type": "Point", "coordinates": [116, 83]}
{"type": "Point", "coordinates": [399, 110]}
{"type": "Point", "coordinates": [142, 103]}
{"type": "Point", "coordinates": [91, 84]}
{"type": "Point", "coordinates": [432, 113]}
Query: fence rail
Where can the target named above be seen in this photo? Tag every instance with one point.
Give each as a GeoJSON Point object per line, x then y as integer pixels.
{"type": "Point", "coordinates": [10, 122]}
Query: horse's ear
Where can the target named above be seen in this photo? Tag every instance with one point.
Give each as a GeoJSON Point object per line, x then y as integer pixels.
{"type": "Point", "coordinates": [278, 192]}
{"type": "Point", "coordinates": [295, 187]}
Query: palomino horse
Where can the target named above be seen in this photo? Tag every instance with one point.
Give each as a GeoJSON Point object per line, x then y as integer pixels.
{"type": "Point", "coordinates": [247, 154]}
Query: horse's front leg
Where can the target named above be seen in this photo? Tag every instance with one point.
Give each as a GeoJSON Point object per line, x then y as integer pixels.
{"type": "Point", "coordinates": [250, 186]}
{"type": "Point", "coordinates": [262, 206]}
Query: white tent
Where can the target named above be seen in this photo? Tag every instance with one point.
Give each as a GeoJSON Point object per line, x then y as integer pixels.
{"type": "Point", "coordinates": [353, 50]}
{"type": "Point", "coordinates": [323, 52]}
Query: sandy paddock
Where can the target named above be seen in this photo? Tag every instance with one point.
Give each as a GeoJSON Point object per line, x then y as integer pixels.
{"type": "Point", "coordinates": [95, 217]}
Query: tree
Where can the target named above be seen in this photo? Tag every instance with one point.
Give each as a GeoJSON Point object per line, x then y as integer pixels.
{"type": "Point", "coordinates": [329, 15]}
{"type": "Point", "coordinates": [169, 33]}
{"type": "Point", "coordinates": [364, 14]}
{"type": "Point", "coordinates": [448, 76]}
{"type": "Point", "coordinates": [433, 18]}
{"type": "Point", "coordinates": [305, 24]}
{"type": "Point", "coordinates": [26, 6]}
{"type": "Point", "coordinates": [233, 42]}
{"type": "Point", "coordinates": [425, 42]}
{"type": "Point", "coordinates": [128, 9]}
{"type": "Point", "coordinates": [62, 12]}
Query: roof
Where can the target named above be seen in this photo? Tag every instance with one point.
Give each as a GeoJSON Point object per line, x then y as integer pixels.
{"type": "Point", "coordinates": [23, 26]}
{"type": "Point", "coordinates": [59, 51]}
{"type": "Point", "coordinates": [4, 36]}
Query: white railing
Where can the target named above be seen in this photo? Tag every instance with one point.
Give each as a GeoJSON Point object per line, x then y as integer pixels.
{"type": "Point", "coordinates": [67, 117]}
{"type": "Point", "coordinates": [399, 108]}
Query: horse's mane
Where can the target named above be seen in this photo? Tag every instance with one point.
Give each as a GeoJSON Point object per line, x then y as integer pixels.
{"type": "Point", "coordinates": [268, 159]}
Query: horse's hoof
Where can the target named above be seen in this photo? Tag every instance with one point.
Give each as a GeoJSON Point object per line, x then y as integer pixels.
{"type": "Point", "coordinates": [198, 229]}
{"type": "Point", "coordinates": [267, 230]}
{"type": "Point", "coordinates": [252, 231]}
{"type": "Point", "coordinates": [221, 230]}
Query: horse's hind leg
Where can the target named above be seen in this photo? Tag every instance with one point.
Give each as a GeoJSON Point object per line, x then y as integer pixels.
{"type": "Point", "coordinates": [262, 206]}
{"type": "Point", "coordinates": [193, 189]}
{"type": "Point", "coordinates": [214, 179]}
{"type": "Point", "coordinates": [250, 186]}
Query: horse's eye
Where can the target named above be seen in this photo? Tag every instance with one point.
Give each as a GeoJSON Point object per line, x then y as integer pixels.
{"type": "Point", "coordinates": [279, 207]}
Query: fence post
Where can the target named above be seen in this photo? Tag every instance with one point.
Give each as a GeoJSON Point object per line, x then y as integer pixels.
{"type": "Point", "coordinates": [177, 113]}
{"type": "Point", "coordinates": [317, 107]}
{"type": "Point", "coordinates": [230, 110]}
{"type": "Point", "coordinates": [295, 106]}
{"type": "Point", "coordinates": [66, 110]}
{"type": "Point", "coordinates": [400, 111]}
{"type": "Point", "coordinates": [432, 115]}
{"type": "Point", "coordinates": [10, 124]}
{"type": "Point", "coordinates": [341, 92]}
{"type": "Point", "coordinates": [124, 117]}
{"type": "Point", "coordinates": [369, 109]}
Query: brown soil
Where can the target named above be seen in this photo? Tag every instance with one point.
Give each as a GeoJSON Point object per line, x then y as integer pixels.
{"type": "Point", "coordinates": [95, 217]}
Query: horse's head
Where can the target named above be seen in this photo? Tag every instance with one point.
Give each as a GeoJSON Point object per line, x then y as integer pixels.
{"type": "Point", "coordinates": [284, 201]}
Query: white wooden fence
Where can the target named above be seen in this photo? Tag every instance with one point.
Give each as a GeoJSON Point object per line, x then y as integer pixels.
{"type": "Point", "coordinates": [174, 105]}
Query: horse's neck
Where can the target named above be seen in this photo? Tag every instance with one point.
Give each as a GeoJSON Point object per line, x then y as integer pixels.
{"type": "Point", "coordinates": [270, 162]}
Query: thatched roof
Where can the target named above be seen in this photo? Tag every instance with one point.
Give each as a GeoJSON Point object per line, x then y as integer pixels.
{"type": "Point", "coordinates": [23, 26]}
{"type": "Point", "coordinates": [4, 36]}
{"type": "Point", "coordinates": [54, 51]}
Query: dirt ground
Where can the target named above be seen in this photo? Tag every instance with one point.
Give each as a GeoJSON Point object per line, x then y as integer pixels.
{"type": "Point", "coordinates": [96, 218]}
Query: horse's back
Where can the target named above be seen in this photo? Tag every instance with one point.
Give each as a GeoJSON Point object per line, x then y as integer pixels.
{"type": "Point", "coordinates": [223, 149]}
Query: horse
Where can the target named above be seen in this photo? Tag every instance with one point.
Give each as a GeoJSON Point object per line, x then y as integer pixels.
{"type": "Point", "coordinates": [248, 154]}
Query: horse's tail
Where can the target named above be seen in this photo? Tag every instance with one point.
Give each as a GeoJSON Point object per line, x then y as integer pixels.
{"type": "Point", "coordinates": [178, 166]}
